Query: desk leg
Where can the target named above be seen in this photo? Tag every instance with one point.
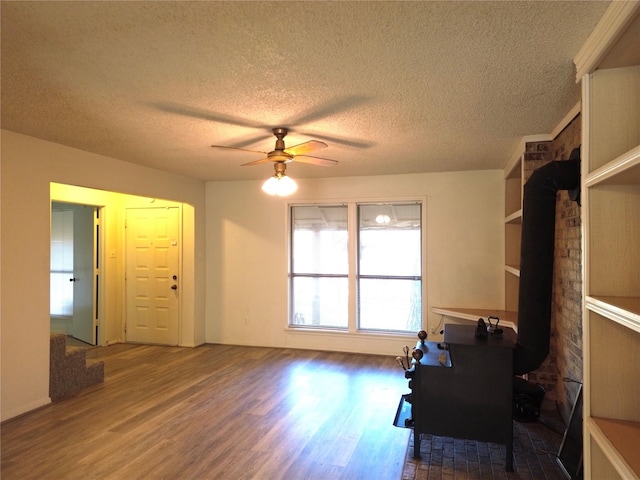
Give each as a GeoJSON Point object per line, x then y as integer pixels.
{"type": "Point", "coordinates": [416, 445]}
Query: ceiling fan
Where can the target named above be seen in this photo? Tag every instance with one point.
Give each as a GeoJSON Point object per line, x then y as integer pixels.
{"type": "Point", "coordinates": [280, 184]}
{"type": "Point", "coordinates": [281, 154]}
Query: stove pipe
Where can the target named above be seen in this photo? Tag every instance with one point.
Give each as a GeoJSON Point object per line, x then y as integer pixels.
{"type": "Point", "coordinates": [536, 258]}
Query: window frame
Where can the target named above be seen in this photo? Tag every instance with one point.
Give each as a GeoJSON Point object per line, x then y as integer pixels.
{"type": "Point", "coordinates": [353, 234]}
{"type": "Point", "coordinates": [359, 276]}
{"type": "Point", "coordinates": [291, 275]}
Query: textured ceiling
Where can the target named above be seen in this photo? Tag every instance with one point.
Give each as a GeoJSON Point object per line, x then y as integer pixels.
{"type": "Point", "coordinates": [392, 87]}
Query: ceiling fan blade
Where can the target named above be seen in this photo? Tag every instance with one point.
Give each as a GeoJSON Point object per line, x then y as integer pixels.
{"type": "Point", "coordinates": [241, 149]}
{"type": "Point", "coordinates": [305, 147]}
{"type": "Point", "coordinates": [329, 109]}
{"type": "Point", "coordinates": [206, 115]}
{"type": "Point", "coordinates": [349, 142]}
{"type": "Point", "coordinates": [323, 162]}
{"type": "Point", "coordinates": [251, 141]}
{"type": "Point", "coordinates": [257, 162]}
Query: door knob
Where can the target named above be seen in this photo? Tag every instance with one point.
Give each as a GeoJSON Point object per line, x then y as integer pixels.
{"type": "Point", "coordinates": [174, 287]}
{"type": "Point", "coordinates": [73, 279]}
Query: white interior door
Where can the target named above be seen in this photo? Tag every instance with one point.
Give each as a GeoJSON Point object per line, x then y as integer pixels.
{"type": "Point", "coordinates": [152, 268]}
{"type": "Point", "coordinates": [61, 297]}
{"type": "Point", "coordinates": [84, 274]}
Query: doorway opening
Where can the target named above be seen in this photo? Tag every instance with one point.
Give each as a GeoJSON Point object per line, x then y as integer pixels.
{"type": "Point", "coordinates": [75, 271]}
{"type": "Point", "coordinates": [114, 289]}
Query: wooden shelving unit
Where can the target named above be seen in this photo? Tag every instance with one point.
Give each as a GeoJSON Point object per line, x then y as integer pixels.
{"type": "Point", "coordinates": [609, 68]}
{"type": "Point", "coordinates": [513, 190]}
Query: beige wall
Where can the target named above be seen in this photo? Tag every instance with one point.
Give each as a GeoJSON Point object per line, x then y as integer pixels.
{"type": "Point", "coordinates": [241, 265]}
{"type": "Point", "coordinates": [29, 166]}
{"type": "Point", "coordinates": [247, 254]}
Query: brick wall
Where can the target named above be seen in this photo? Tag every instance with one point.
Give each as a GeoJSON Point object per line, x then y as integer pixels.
{"type": "Point", "coordinates": [565, 349]}
{"type": "Point", "coordinates": [567, 280]}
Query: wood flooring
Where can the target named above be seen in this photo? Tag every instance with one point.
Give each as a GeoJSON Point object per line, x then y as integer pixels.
{"type": "Point", "coordinates": [218, 412]}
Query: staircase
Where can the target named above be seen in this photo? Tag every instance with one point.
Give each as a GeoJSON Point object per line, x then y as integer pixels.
{"type": "Point", "coordinates": [69, 369]}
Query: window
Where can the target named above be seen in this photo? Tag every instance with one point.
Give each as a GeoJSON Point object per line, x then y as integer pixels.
{"type": "Point", "coordinates": [389, 267]}
{"type": "Point", "coordinates": [357, 266]}
{"type": "Point", "coordinates": [319, 266]}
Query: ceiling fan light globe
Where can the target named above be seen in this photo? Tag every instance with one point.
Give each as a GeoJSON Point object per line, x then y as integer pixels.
{"type": "Point", "coordinates": [270, 186]}
{"type": "Point", "coordinates": [279, 185]}
{"type": "Point", "coordinates": [286, 186]}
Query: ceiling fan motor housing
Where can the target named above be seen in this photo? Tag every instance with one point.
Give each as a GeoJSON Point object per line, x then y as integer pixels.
{"type": "Point", "coordinates": [280, 133]}
{"type": "Point", "coordinates": [280, 168]}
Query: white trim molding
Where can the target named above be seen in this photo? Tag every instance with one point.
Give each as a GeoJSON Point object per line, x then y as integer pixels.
{"type": "Point", "coordinates": [614, 21]}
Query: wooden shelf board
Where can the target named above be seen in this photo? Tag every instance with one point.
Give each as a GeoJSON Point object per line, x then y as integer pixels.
{"type": "Point", "coordinates": [623, 310]}
{"type": "Point", "coordinates": [507, 318]}
{"type": "Point", "coordinates": [624, 170]}
{"type": "Point", "coordinates": [515, 217]}
{"type": "Point", "coordinates": [513, 269]}
{"type": "Point", "coordinates": [619, 439]}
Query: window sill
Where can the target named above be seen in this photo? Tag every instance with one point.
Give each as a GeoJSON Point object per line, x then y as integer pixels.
{"type": "Point", "coordinates": [357, 333]}
{"type": "Point", "coordinates": [371, 343]}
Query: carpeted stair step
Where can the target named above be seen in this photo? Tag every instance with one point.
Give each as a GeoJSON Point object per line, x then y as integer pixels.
{"type": "Point", "coordinates": [69, 369]}
{"type": "Point", "coordinates": [94, 372]}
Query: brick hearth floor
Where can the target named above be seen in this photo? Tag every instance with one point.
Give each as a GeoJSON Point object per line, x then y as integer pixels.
{"type": "Point", "coordinates": [535, 447]}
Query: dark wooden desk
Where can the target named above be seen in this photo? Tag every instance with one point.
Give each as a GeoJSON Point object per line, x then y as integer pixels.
{"type": "Point", "coordinates": [467, 393]}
